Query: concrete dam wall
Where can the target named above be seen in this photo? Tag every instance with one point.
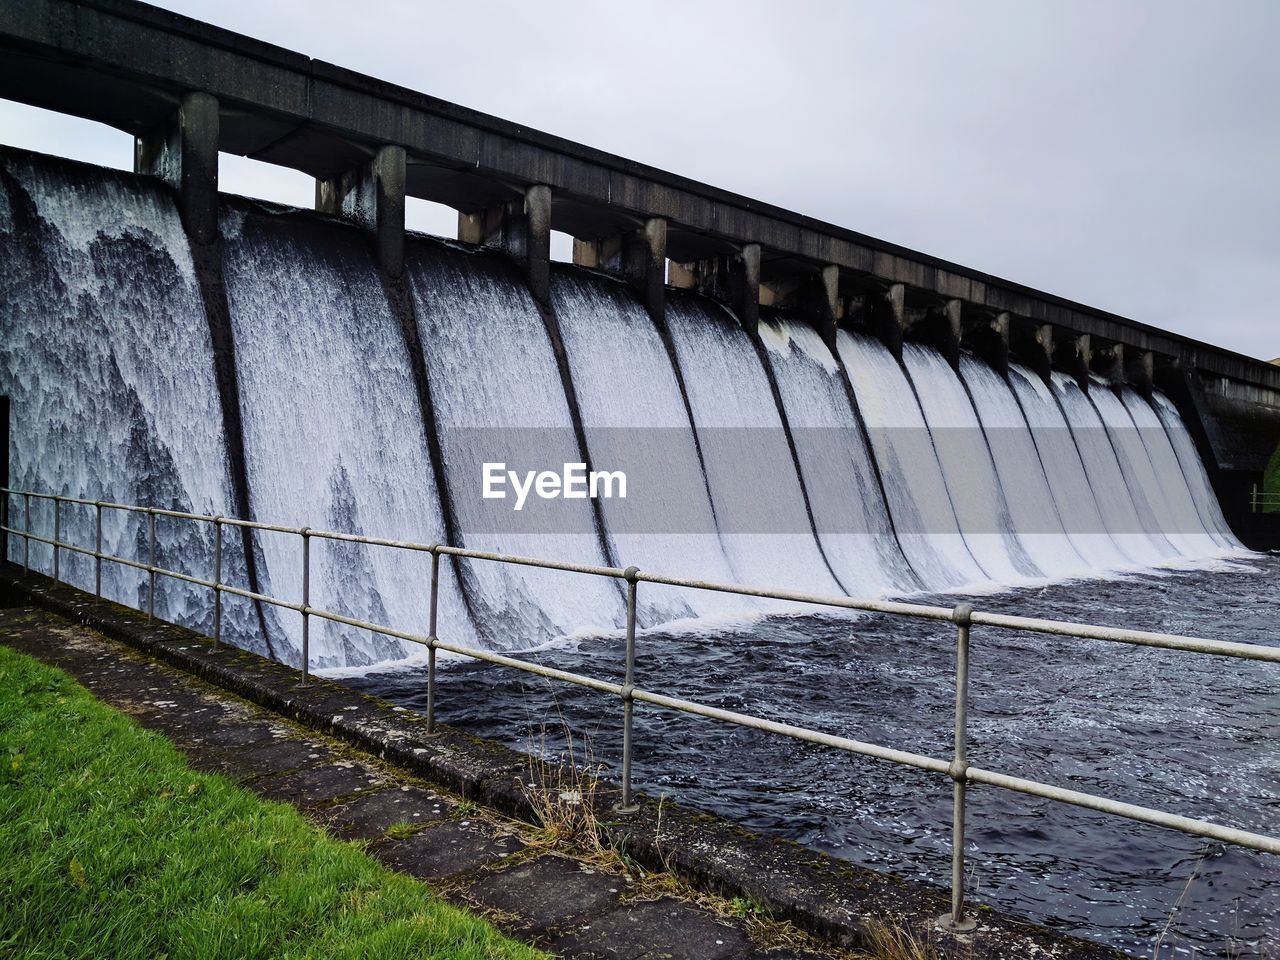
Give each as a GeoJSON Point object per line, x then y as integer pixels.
{"type": "Point", "coordinates": [280, 372]}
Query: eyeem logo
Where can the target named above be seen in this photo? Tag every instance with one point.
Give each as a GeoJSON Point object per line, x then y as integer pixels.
{"type": "Point", "coordinates": [573, 482]}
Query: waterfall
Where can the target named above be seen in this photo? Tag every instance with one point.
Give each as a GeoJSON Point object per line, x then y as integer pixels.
{"type": "Point", "coordinates": [967, 468]}
{"type": "Point", "coordinates": [333, 434]}
{"type": "Point", "coordinates": [1179, 513]}
{"type": "Point", "coordinates": [1130, 530]}
{"type": "Point", "coordinates": [1020, 473]}
{"type": "Point", "coordinates": [637, 422]}
{"type": "Point", "coordinates": [1193, 470]}
{"type": "Point", "coordinates": [766, 460]}
{"type": "Point", "coordinates": [835, 463]}
{"type": "Point", "coordinates": [1076, 501]}
{"type": "Point", "coordinates": [755, 487]}
{"type": "Point", "coordinates": [106, 355]}
{"type": "Point", "coordinates": [917, 494]}
{"type": "Point", "coordinates": [498, 398]}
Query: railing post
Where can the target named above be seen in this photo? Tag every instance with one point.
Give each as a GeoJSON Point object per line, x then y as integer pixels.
{"type": "Point", "coordinates": [628, 804]}
{"type": "Point", "coordinates": [431, 639]}
{"type": "Point", "coordinates": [151, 563]}
{"type": "Point", "coordinates": [306, 602]}
{"type": "Point", "coordinates": [57, 534]}
{"type": "Point", "coordinates": [217, 581]}
{"type": "Point", "coordinates": [1253, 499]}
{"type": "Point", "coordinates": [97, 548]}
{"type": "Point", "coordinates": [955, 922]}
{"type": "Point", "coordinates": [26, 532]}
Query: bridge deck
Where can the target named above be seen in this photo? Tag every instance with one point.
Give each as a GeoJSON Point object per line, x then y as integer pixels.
{"type": "Point", "coordinates": [128, 65]}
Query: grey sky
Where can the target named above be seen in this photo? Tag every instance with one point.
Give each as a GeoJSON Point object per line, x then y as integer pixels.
{"type": "Point", "coordinates": [1121, 154]}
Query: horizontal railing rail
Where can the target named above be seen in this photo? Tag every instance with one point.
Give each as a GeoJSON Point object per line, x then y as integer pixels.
{"type": "Point", "coordinates": [962, 616]}
{"type": "Point", "coordinates": [1264, 501]}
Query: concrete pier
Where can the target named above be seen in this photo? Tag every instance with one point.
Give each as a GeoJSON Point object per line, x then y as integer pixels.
{"type": "Point", "coordinates": [372, 196]}
{"type": "Point", "coordinates": [733, 278]}
{"type": "Point", "coordinates": [988, 337]}
{"type": "Point", "coordinates": [887, 316]}
{"type": "Point", "coordinates": [1074, 355]}
{"type": "Point", "coordinates": [183, 151]}
{"type": "Point", "coordinates": [638, 256]}
{"type": "Point", "coordinates": [520, 228]}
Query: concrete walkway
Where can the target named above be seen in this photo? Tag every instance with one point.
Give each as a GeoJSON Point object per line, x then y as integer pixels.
{"type": "Point", "coordinates": [570, 908]}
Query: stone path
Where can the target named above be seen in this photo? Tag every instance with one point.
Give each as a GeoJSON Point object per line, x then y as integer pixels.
{"type": "Point", "coordinates": [567, 907]}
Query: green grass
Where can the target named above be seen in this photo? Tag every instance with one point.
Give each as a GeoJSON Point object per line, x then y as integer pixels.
{"type": "Point", "coordinates": [112, 847]}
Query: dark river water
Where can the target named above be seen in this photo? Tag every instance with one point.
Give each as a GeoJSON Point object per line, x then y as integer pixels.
{"type": "Point", "coordinates": [1190, 734]}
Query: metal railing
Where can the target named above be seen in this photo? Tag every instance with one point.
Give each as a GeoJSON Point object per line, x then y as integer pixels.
{"type": "Point", "coordinates": [963, 616]}
{"type": "Point", "coordinates": [1262, 501]}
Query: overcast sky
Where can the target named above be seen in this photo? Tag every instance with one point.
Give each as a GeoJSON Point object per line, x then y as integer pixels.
{"type": "Point", "coordinates": [1126, 155]}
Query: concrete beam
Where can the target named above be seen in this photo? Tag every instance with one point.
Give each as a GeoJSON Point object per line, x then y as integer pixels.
{"type": "Point", "coordinates": [183, 151]}
{"type": "Point", "coordinates": [372, 196]}
{"type": "Point", "coordinates": [638, 257]}
{"type": "Point", "coordinates": [127, 64]}
{"type": "Point", "coordinates": [522, 230]}
{"type": "Point", "coordinates": [733, 279]}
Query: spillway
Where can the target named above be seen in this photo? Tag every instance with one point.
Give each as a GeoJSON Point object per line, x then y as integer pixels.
{"type": "Point", "coordinates": [967, 468]}
{"type": "Point", "coordinates": [835, 462]}
{"type": "Point", "coordinates": [499, 398]}
{"type": "Point", "coordinates": [638, 422]}
{"type": "Point", "coordinates": [372, 407]}
{"type": "Point", "coordinates": [760, 505]}
{"type": "Point", "coordinates": [107, 359]}
{"type": "Point", "coordinates": [1076, 503]}
{"type": "Point", "coordinates": [1020, 473]}
{"type": "Point", "coordinates": [333, 435]}
{"type": "Point", "coordinates": [914, 487]}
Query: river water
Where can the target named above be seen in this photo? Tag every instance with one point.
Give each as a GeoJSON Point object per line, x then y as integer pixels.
{"type": "Point", "coordinates": [1193, 735]}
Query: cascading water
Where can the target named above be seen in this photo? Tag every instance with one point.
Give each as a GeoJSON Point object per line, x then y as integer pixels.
{"type": "Point", "coordinates": [498, 398]}
{"type": "Point", "coordinates": [849, 509]}
{"type": "Point", "coordinates": [1020, 472]}
{"type": "Point", "coordinates": [1193, 470]}
{"type": "Point", "coordinates": [767, 462]}
{"type": "Point", "coordinates": [637, 422]}
{"type": "Point", "coordinates": [914, 487]}
{"type": "Point", "coordinates": [1136, 468]}
{"type": "Point", "coordinates": [333, 434]}
{"type": "Point", "coordinates": [107, 358]}
{"type": "Point", "coordinates": [759, 502]}
{"type": "Point", "coordinates": [967, 467]}
{"type": "Point", "coordinates": [1132, 531]}
{"type": "Point", "coordinates": [1179, 512]}
{"type": "Point", "coordinates": [1075, 500]}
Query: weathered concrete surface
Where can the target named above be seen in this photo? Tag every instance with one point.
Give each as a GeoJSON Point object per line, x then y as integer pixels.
{"type": "Point", "coordinates": [821, 894]}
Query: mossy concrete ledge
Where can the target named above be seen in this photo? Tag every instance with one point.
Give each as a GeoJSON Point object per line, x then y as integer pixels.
{"type": "Point", "coordinates": [821, 894]}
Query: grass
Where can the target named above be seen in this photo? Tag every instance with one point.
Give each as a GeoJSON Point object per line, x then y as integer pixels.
{"type": "Point", "coordinates": [563, 792]}
{"type": "Point", "coordinates": [114, 848]}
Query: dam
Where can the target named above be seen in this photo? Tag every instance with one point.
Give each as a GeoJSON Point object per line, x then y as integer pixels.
{"type": "Point", "coordinates": [794, 405]}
